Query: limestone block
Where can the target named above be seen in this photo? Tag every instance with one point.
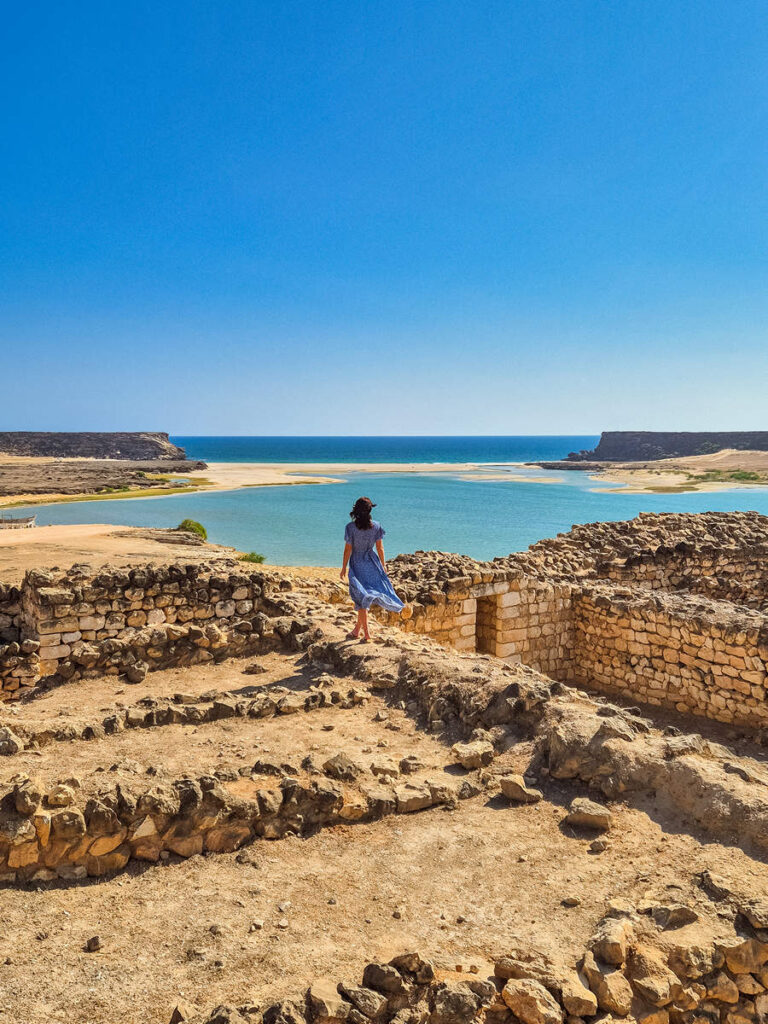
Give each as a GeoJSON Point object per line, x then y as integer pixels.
{"type": "Point", "coordinates": [55, 653]}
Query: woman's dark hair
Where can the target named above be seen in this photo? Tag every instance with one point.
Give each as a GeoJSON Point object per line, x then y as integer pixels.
{"type": "Point", "coordinates": [361, 513]}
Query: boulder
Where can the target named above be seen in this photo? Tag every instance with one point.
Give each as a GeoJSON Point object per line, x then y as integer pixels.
{"type": "Point", "coordinates": [285, 1012]}
{"type": "Point", "coordinates": [454, 1003]}
{"type": "Point", "coordinates": [370, 1003]}
{"type": "Point", "coordinates": [743, 956]}
{"type": "Point", "coordinates": [10, 743]}
{"type": "Point", "coordinates": [611, 941]}
{"type": "Point", "coordinates": [530, 1002]}
{"type": "Point", "coordinates": [529, 963]}
{"type": "Point", "coordinates": [383, 978]}
{"type": "Point", "coordinates": [343, 768]}
{"type": "Point", "coordinates": [613, 991]}
{"type": "Point", "coordinates": [514, 788]}
{"type": "Point", "coordinates": [476, 754]}
{"type": "Point", "coordinates": [650, 977]}
{"type": "Point", "coordinates": [181, 1013]}
{"type": "Point", "coordinates": [325, 1002]}
{"type": "Point", "coordinates": [413, 797]}
{"type": "Point", "coordinates": [60, 795]}
{"type": "Point", "coordinates": [226, 1015]}
{"type": "Point", "coordinates": [27, 796]}
{"type": "Point", "coordinates": [721, 988]}
{"type": "Point", "coordinates": [585, 813]}
{"type": "Point", "coordinates": [577, 999]}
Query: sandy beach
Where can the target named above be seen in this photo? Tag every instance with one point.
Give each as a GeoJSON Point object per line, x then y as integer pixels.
{"type": "Point", "coordinates": [724, 470]}
{"type": "Point", "coordinates": [717, 472]}
{"type": "Point", "coordinates": [232, 475]}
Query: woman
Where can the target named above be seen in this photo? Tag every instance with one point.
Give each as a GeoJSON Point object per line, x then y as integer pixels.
{"type": "Point", "coordinates": [368, 580]}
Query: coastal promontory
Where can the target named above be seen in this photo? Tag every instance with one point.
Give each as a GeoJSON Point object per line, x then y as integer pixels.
{"type": "Point", "coordinates": [141, 445]}
{"type": "Point", "coordinates": [649, 445]}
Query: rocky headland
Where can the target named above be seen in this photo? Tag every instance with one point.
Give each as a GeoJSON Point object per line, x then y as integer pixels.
{"type": "Point", "coordinates": [650, 445]}
{"type": "Point", "coordinates": [137, 446]}
{"type": "Point", "coordinates": [656, 462]}
{"type": "Point", "coordinates": [42, 467]}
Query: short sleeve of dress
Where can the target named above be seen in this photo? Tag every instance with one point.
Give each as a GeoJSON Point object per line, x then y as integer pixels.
{"type": "Point", "coordinates": [380, 531]}
{"type": "Point", "coordinates": [348, 533]}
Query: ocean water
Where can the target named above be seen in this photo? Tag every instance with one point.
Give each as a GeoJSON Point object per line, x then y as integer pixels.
{"type": "Point", "coordinates": [382, 449]}
{"type": "Point", "coordinates": [304, 525]}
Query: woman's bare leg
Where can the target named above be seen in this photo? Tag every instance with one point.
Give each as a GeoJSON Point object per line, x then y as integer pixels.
{"type": "Point", "coordinates": [362, 622]}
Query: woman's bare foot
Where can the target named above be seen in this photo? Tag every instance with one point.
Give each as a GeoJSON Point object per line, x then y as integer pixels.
{"type": "Point", "coordinates": [353, 635]}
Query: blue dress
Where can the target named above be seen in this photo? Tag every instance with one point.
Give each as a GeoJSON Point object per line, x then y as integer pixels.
{"type": "Point", "coordinates": [368, 581]}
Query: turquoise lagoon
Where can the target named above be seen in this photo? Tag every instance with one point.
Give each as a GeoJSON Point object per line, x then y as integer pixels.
{"type": "Point", "coordinates": [303, 525]}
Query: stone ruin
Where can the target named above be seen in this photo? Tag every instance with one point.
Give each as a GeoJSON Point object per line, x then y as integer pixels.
{"type": "Point", "coordinates": [669, 610]}
{"type": "Point", "coordinates": [605, 608]}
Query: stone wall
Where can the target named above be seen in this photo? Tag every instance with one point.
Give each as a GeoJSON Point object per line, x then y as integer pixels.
{"type": "Point", "coordinates": [79, 624]}
{"type": "Point", "coordinates": [737, 576]}
{"type": "Point", "coordinates": [534, 625]}
{"type": "Point", "coordinates": [665, 609]}
{"type": "Point", "coordinates": [701, 658]}
{"type": "Point", "coordinates": [18, 657]}
{"type": "Point", "coordinates": [10, 613]}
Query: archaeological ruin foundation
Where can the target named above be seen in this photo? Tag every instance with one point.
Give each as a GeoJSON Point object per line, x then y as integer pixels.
{"type": "Point", "coordinates": [216, 808]}
{"type": "Point", "coordinates": [665, 609]}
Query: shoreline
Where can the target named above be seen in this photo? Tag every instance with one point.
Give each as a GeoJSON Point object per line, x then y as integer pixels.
{"type": "Point", "coordinates": [707, 473]}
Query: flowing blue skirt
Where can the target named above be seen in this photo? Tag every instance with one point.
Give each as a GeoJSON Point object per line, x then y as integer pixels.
{"type": "Point", "coordinates": [369, 583]}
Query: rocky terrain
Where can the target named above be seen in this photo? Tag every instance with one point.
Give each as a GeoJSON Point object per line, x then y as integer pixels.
{"type": "Point", "coordinates": [230, 813]}
{"type": "Point", "coordinates": [89, 476]}
{"type": "Point", "coordinates": [319, 746]}
{"type": "Point", "coordinates": [140, 446]}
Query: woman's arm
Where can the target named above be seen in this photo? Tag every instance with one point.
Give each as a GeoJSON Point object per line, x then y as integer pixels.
{"type": "Point", "coordinates": [347, 553]}
{"type": "Point", "coordinates": [380, 549]}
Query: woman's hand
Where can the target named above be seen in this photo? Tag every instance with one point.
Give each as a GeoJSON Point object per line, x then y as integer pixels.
{"type": "Point", "coordinates": [342, 574]}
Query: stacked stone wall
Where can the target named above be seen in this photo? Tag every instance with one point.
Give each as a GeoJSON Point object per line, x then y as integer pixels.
{"type": "Point", "coordinates": [736, 576]}
{"type": "Point", "coordinates": [18, 658]}
{"type": "Point", "coordinates": [534, 625]}
{"type": "Point", "coordinates": [665, 609]}
{"type": "Point", "coordinates": [452, 623]}
{"type": "Point", "coordinates": [79, 625]}
{"type": "Point", "coordinates": [705, 660]}
{"type": "Point", "coordinates": [10, 613]}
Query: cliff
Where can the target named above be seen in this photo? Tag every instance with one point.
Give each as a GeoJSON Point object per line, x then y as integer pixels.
{"type": "Point", "coordinates": [648, 445]}
{"type": "Point", "coordinates": [136, 446]}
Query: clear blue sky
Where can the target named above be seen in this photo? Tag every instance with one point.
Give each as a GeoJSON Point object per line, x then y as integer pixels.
{"type": "Point", "coordinates": [413, 216]}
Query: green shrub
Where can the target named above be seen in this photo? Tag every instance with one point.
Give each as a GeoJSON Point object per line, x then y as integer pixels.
{"type": "Point", "coordinates": [744, 474]}
{"type": "Point", "coordinates": [252, 556]}
{"type": "Point", "coordinates": [191, 526]}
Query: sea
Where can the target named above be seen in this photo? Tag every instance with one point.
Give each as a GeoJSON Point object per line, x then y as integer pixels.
{"type": "Point", "coordinates": [482, 516]}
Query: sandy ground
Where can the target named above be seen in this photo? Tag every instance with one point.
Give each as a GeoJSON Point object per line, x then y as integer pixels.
{"type": "Point", "coordinates": [674, 474]}
{"type": "Point", "coordinates": [98, 545]}
{"type": "Point", "coordinates": [224, 476]}
{"type": "Point", "coordinates": [642, 477]}
{"type": "Point", "coordinates": [229, 475]}
{"type": "Point", "coordinates": [461, 886]}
